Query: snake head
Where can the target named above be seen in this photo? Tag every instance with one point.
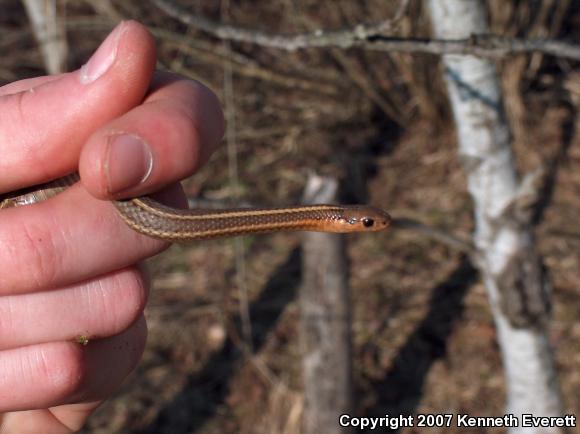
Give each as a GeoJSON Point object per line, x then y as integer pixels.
{"type": "Point", "coordinates": [365, 219]}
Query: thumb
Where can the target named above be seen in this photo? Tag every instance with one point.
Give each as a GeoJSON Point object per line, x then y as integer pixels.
{"type": "Point", "coordinates": [45, 121]}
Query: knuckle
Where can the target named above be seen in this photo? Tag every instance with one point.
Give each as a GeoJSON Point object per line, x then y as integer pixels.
{"type": "Point", "coordinates": [205, 110]}
{"type": "Point", "coordinates": [19, 117]}
{"type": "Point", "coordinates": [6, 320]}
{"type": "Point", "coordinates": [184, 128]}
{"type": "Point", "coordinates": [216, 114]}
{"type": "Point", "coordinates": [31, 255]}
{"type": "Point", "coordinates": [125, 300]}
{"type": "Point", "coordinates": [191, 127]}
{"type": "Point", "coordinates": [64, 370]}
{"type": "Point", "coordinates": [39, 254]}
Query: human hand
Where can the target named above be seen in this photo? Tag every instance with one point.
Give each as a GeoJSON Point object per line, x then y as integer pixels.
{"type": "Point", "coordinates": [69, 266]}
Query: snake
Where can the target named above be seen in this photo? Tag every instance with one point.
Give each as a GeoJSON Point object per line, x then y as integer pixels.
{"type": "Point", "coordinates": [149, 217]}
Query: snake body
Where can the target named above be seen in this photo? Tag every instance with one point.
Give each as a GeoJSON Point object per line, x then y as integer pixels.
{"type": "Point", "coordinates": [149, 217]}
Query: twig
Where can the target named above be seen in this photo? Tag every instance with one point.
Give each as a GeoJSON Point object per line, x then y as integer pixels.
{"type": "Point", "coordinates": [367, 87]}
{"type": "Point", "coordinates": [491, 46]}
{"type": "Point", "coordinates": [233, 175]}
{"type": "Point", "coordinates": [247, 68]}
{"type": "Point", "coordinates": [210, 53]}
{"type": "Point", "coordinates": [437, 234]}
{"type": "Point", "coordinates": [371, 37]}
{"type": "Point", "coordinates": [342, 38]}
{"type": "Point", "coordinates": [48, 29]}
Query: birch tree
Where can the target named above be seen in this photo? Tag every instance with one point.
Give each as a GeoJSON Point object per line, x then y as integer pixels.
{"type": "Point", "coordinates": [512, 270]}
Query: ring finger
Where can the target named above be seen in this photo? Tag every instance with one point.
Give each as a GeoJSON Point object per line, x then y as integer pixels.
{"type": "Point", "coordinates": [96, 308]}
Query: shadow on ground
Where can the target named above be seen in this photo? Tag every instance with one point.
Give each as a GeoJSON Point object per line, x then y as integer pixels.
{"type": "Point", "coordinates": [400, 391]}
{"type": "Point", "coordinates": [203, 394]}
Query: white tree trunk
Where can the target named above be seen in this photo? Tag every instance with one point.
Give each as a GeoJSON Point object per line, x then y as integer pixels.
{"type": "Point", "coordinates": [512, 271]}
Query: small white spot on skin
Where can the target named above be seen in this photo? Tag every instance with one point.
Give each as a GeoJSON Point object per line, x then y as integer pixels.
{"type": "Point", "coordinates": [31, 90]}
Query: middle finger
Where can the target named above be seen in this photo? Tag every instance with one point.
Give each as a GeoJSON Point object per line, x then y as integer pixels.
{"type": "Point", "coordinates": [69, 238]}
{"type": "Point", "coordinates": [96, 308]}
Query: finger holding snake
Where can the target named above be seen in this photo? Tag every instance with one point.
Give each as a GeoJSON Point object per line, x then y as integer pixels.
{"type": "Point", "coordinates": [148, 148]}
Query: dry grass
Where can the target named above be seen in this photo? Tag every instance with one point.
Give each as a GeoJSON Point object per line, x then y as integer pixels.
{"type": "Point", "coordinates": [424, 338]}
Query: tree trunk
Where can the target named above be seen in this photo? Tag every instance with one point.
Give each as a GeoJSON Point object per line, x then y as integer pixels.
{"type": "Point", "coordinates": [325, 322]}
{"type": "Point", "coordinates": [512, 270]}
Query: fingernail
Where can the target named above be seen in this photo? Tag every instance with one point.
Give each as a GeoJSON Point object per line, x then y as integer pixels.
{"type": "Point", "coordinates": [129, 162]}
{"type": "Point", "coordinates": [103, 58]}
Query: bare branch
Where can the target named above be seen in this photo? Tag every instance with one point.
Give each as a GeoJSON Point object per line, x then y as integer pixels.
{"type": "Point", "coordinates": [48, 29]}
{"type": "Point", "coordinates": [437, 234]}
{"type": "Point", "coordinates": [371, 37]}
{"type": "Point", "coordinates": [319, 38]}
{"type": "Point", "coordinates": [491, 46]}
{"type": "Point", "coordinates": [242, 65]}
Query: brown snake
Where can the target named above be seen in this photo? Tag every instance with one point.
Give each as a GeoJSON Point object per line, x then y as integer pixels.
{"type": "Point", "coordinates": [149, 217]}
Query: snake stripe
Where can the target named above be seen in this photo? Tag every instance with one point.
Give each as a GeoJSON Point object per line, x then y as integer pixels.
{"type": "Point", "coordinates": [151, 218]}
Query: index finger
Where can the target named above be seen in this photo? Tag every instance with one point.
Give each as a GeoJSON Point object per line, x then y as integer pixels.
{"type": "Point", "coordinates": [163, 140]}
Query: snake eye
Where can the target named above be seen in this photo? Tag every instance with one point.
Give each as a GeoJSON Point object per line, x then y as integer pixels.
{"type": "Point", "coordinates": [368, 222]}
